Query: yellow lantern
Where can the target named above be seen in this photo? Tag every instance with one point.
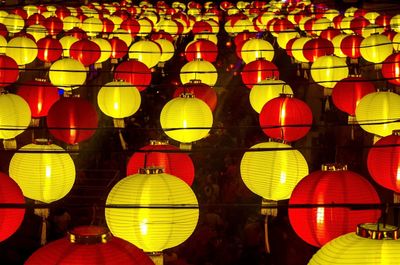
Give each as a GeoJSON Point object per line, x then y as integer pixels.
{"type": "Point", "coordinates": [3, 15]}
{"type": "Point", "coordinates": [396, 42]}
{"type": "Point", "coordinates": [66, 43]}
{"type": "Point", "coordinates": [168, 25]}
{"type": "Point", "coordinates": [14, 23]}
{"type": "Point", "coordinates": [145, 27]}
{"type": "Point", "coordinates": [265, 90]}
{"type": "Point", "coordinates": [117, 22]}
{"type": "Point", "coordinates": [243, 25]}
{"type": "Point", "coordinates": [37, 31]}
{"type": "Point", "coordinates": [165, 215]}
{"type": "Point", "coordinates": [336, 41]}
{"type": "Point", "coordinates": [186, 119]}
{"type": "Point", "coordinates": [320, 25]}
{"type": "Point", "coordinates": [92, 26]}
{"type": "Point", "coordinates": [378, 112]}
{"type": "Point", "coordinates": [199, 70]}
{"type": "Point", "coordinates": [214, 24]}
{"type": "Point", "coordinates": [395, 23]}
{"type": "Point", "coordinates": [146, 51]}
{"type": "Point", "coordinates": [328, 70]}
{"type": "Point", "coordinates": [3, 45]}
{"type": "Point", "coordinates": [349, 12]}
{"type": "Point", "coordinates": [371, 244]}
{"type": "Point", "coordinates": [372, 29]}
{"type": "Point", "coordinates": [105, 49]}
{"type": "Point", "coordinates": [345, 25]}
{"type": "Point", "coordinates": [22, 49]}
{"type": "Point", "coordinates": [254, 49]}
{"type": "Point", "coordinates": [331, 14]}
{"type": "Point", "coordinates": [67, 74]}
{"type": "Point", "coordinates": [285, 36]}
{"type": "Point", "coordinates": [71, 22]}
{"type": "Point", "coordinates": [43, 171]}
{"type": "Point", "coordinates": [297, 49]}
{"type": "Point", "coordinates": [153, 16]}
{"type": "Point", "coordinates": [265, 18]}
{"type": "Point", "coordinates": [167, 49]}
{"type": "Point", "coordinates": [123, 35]}
{"type": "Point", "coordinates": [119, 99]}
{"type": "Point", "coordinates": [371, 16]}
{"type": "Point", "coordinates": [376, 48]}
{"type": "Point", "coordinates": [15, 115]}
{"type": "Point", "coordinates": [30, 9]}
{"type": "Point", "coordinates": [273, 174]}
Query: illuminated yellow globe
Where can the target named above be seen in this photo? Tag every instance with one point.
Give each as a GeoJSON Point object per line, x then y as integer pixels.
{"type": "Point", "coordinates": [123, 35]}
{"type": "Point", "coordinates": [199, 70]}
{"type": "Point", "coordinates": [372, 29]}
{"type": "Point", "coordinates": [14, 23]}
{"type": "Point", "coordinates": [92, 26]}
{"type": "Point", "coordinates": [371, 16]}
{"type": "Point", "coordinates": [160, 219]}
{"type": "Point", "coordinates": [105, 49]}
{"type": "Point", "coordinates": [44, 171]}
{"type": "Point", "coordinates": [167, 49]}
{"type": "Point", "coordinates": [37, 31]}
{"type": "Point", "coordinates": [119, 99]}
{"type": "Point", "coordinates": [145, 27]}
{"type": "Point", "coordinates": [285, 36]}
{"type": "Point", "coordinates": [396, 42]}
{"type": "Point", "coordinates": [297, 49]}
{"type": "Point", "coordinates": [22, 49]}
{"type": "Point", "coordinates": [395, 23]}
{"type": "Point", "coordinates": [3, 45]}
{"type": "Point", "coordinates": [273, 174]}
{"type": "Point", "coordinates": [146, 51]}
{"type": "Point", "coordinates": [376, 48]}
{"type": "Point", "coordinates": [66, 43]}
{"type": "Point", "coordinates": [67, 74]}
{"type": "Point", "coordinates": [186, 119]}
{"type": "Point", "coordinates": [15, 115]}
{"type": "Point", "coordinates": [243, 25]}
{"type": "Point", "coordinates": [328, 70]}
{"type": "Point", "coordinates": [71, 22]}
{"type": "Point", "coordinates": [254, 49]}
{"type": "Point", "coordinates": [337, 41]}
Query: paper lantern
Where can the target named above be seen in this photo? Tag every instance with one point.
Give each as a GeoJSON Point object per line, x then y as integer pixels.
{"type": "Point", "coordinates": [337, 42]}
{"type": "Point", "coordinates": [15, 115]}
{"type": "Point", "coordinates": [54, 25]}
{"type": "Point", "coordinates": [258, 70]}
{"type": "Point", "coordinates": [36, 31]}
{"type": "Point", "coordinates": [118, 99]}
{"type": "Point", "coordinates": [35, 19]}
{"type": "Point", "coordinates": [9, 72]}
{"type": "Point", "coordinates": [284, 37]}
{"type": "Point", "coordinates": [200, 91]}
{"type": "Point", "coordinates": [108, 25]}
{"type": "Point", "coordinates": [297, 49]}
{"type": "Point", "coordinates": [14, 23]}
{"type": "Point", "coordinates": [105, 49]}
{"type": "Point", "coordinates": [89, 245]}
{"type": "Point", "coordinates": [131, 25]}
{"type": "Point", "coordinates": [395, 23]}
{"type": "Point", "coordinates": [199, 70]}
{"type": "Point", "coordinates": [134, 72]}
{"type": "Point", "coordinates": [67, 74]}
{"type": "Point", "coordinates": [93, 26]}
{"type": "Point", "coordinates": [72, 120]}
{"type": "Point", "coordinates": [201, 49]}
{"type": "Point", "coordinates": [350, 46]}
{"type": "Point", "coordinates": [257, 48]}
{"type": "Point", "coordinates": [118, 48]}
{"type": "Point", "coordinates": [186, 119]}
{"type": "Point", "coordinates": [378, 112]}
{"type": "Point", "coordinates": [40, 96]}
{"type": "Point", "coordinates": [391, 69]}
{"type": "Point", "coordinates": [285, 118]}
{"type": "Point", "coordinates": [77, 33]}
{"type": "Point", "coordinates": [357, 24]}
{"type": "Point", "coordinates": [280, 25]}
{"type": "Point", "coordinates": [66, 43]}
{"type": "Point", "coordinates": [330, 33]}
{"type": "Point", "coordinates": [85, 51]}
{"type": "Point", "coordinates": [334, 184]}
{"type": "Point", "coordinates": [170, 26]}
{"type": "Point", "coordinates": [22, 49]}
{"type": "Point", "coordinates": [376, 48]}
{"type": "Point", "coordinates": [273, 174]}
{"type": "Point", "coordinates": [49, 49]}
{"type": "Point", "coordinates": [348, 92]}
{"type": "Point", "coordinates": [370, 245]}
{"type": "Point", "coordinates": [167, 49]}
{"type": "Point", "coordinates": [328, 70]}
{"type": "Point", "coordinates": [320, 25]}
{"type": "Point", "coordinates": [152, 229]}
{"type": "Point", "coordinates": [172, 161]}
{"type": "Point", "coordinates": [318, 47]}
{"type": "Point", "coordinates": [71, 22]}
{"type": "Point", "coordinates": [10, 218]}
{"type": "Point", "coordinates": [44, 171]}
{"type": "Point", "coordinates": [146, 51]}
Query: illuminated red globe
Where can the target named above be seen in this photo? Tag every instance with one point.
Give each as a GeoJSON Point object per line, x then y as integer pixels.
{"type": "Point", "coordinates": [330, 33]}
{"type": "Point", "coordinates": [49, 49]}
{"type": "Point", "coordinates": [258, 70]}
{"type": "Point", "coordinates": [131, 25]}
{"type": "Point", "coordinates": [317, 47]}
{"type": "Point", "coordinates": [350, 46]}
{"type": "Point", "coordinates": [85, 51]}
{"type": "Point", "coordinates": [201, 49]}
{"type": "Point", "coordinates": [54, 25]}
{"type": "Point", "coordinates": [391, 69]}
{"type": "Point", "coordinates": [9, 70]}
{"type": "Point", "coordinates": [134, 72]}
{"type": "Point", "coordinates": [118, 48]}
{"type": "Point", "coordinates": [357, 24]}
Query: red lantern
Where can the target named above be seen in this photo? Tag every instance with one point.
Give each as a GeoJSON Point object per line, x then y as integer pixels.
{"type": "Point", "coordinates": [20, 12]}
{"type": "Point", "coordinates": [334, 184]}
{"type": "Point", "coordinates": [3, 30]}
{"type": "Point", "coordinates": [202, 49]}
{"type": "Point", "coordinates": [286, 118]}
{"type": "Point", "coordinates": [10, 218]}
{"type": "Point", "coordinates": [49, 49]}
{"type": "Point", "coordinates": [89, 245]}
{"type": "Point", "coordinates": [358, 24]}
{"type": "Point", "coordinates": [62, 12]}
{"type": "Point", "coordinates": [318, 47]}
{"type": "Point", "coordinates": [108, 25]}
{"type": "Point", "coordinates": [131, 25]}
{"type": "Point", "coordinates": [201, 26]}
{"type": "Point", "coordinates": [161, 34]}
{"type": "Point", "coordinates": [337, 20]}
{"type": "Point", "coordinates": [391, 69]}
{"type": "Point", "coordinates": [329, 33]}
{"type": "Point", "coordinates": [200, 91]}
{"type": "Point", "coordinates": [35, 19]}
{"type": "Point", "coordinates": [85, 51]}
{"type": "Point", "coordinates": [309, 24]}
{"type": "Point", "coordinates": [124, 14]}
{"type": "Point", "coordinates": [118, 48]}
{"type": "Point", "coordinates": [161, 154]}
{"type": "Point", "coordinates": [54, 25]}
{"type": "Point", "coordinates": [350, 46]}
{"type": "Point", "coordinates": [77, 33]}
{"type": "Point", "coordinates": [134, 72]}
{"type": "Point", "coordinates": [72, 120]}
{"type": "Point", "coordinates": [8, 70]}
{"type": "Point", "coordinates": [360, 12]}
{"type": "Point", "coordinates": [282, 24]}
{"type": "Point", "coordinates": [258, 70]}
{"type": "Point", "coordinates": [349, 91]}
{"type": "Point", "coordinates": [383, 21]}
{"type": "Point", "coordinates": [390, 34]}
{"type": "Point", "coordinates": [39, 95]}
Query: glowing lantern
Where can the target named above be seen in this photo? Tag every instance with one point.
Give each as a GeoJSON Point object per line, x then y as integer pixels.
{"type": "Point", "coordinates": [395, 23]}
{"type": "Point", "coordinates": [258, 70]}
{"type": "Point", "coordinates": [320, 25]}
{"type": "Point", "coordinates": [22, 49]}
{"type": "Point", "coordinates": [54, 25]}
{"type": "Point", "coordinates": [146, 27]}
{"type": "Point", "coordinates": [317, 47]}
{"type": "Point", "coordinates": [201, 26]}
{"type": "Point", "coordinates": [358, 24]}
{"type": "Point", "coordinates": [350, 46]}
{"type": "Point", "coordinates": [108, 25]}
{"type": "Point", "coordinates": [328, 70]}
{"type": "Point", "coordinates": [152, 229]}
{"type": "Point", "coordinates": [40, 96]}
{"type": "Point", "coordinates": [167, 49]}
{"type": "Point", "coordinates": [174, 163]}
{"type": "Point", "coordinates": [186, 119]}
{"type": "Point", "coordinates": [14, 114]}
{"type": "Point", "coordinates": [8, 70]}
{"type": "Point", "coordinates": [199, 70]}
{"type": "Point", "coordinates": [280, 25]}
{"type": "Point", "coordinates": [118, 48]}
{"type": "Point", "coordinates": [134, 72]}
{"type": "Point", "coordinates": [396, 42]}
{"type": "Point", "coordinates": [105, 49]}
{"type": "Point", "coordinates": [3, 44]}
{"type": "Point", "coordinates": [376, 48]}
{"type": "Point", "coordinates": [49, 49]}
{"type": "Point", "coordinates": [297, 49]}
{"type": "Point", "coordinates": [67, 74]}
{"type": "Point", "coordinates": [285, 118]}
{"type": "Point", "coordinates": [85, 51]}
{"type": "Point", "coordinates": [207, 36]}
{"type": "Point", "coordinates": [122, 35]}
{"type": "Point", "coordinates": [70, 23]}
{"type": "Point", "coordinates": [37, 31]}
{"type": "Point", "coordinates": [131, 25]}
{"type": "Point", "coordinates": [89, 245]}
{"type": "Point", "coordinates": [330, 33]}
{"type": "Point", "coordinates": [14, 23]}
{"type": "Point", "coordinates": [334, 184]}
{"type": "Point", "coordinates": [200, 91]}
{"type": "Point", "coordinates": [257, 48]}
{"type": "Point", "coordinates": [43, 171]}
{"type": "Point", "coordinates": [337, 42]}
{"type": "Point", "coordinates": [201, 49]}
{"type": "Point", "coordinates": [273, 174]}
{"type": "Point", "coordinates": [10, 218]}
{"type": "Point", "coordinates": [66, 43]}
{"type": "Point", "coordinates": [169, 26]}
{"type": "Point", "coordinates": [119, 99]}
{"type": "Point", "coordinates": [77, 33]}
{"type": "Point", "coordinates": [378, 112]}
{"type": "Point", "coordinates": [391, 69]}
{"type": "Point", "coordinates": [146, 51]}
{"type": "Point", "coordinates": [93, 26]}
{"type": "Point", "coordinates": [72, 120]}
{"type": "Point", "coordinates": [284, 37]}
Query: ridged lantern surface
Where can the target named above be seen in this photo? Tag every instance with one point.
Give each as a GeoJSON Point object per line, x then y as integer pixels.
{"type": "Point", "coordinates": [201, 49]}
{"type": "Point", "coordinates": [391, 68]}
{"type": "Point", "coordinates": [145, 51]}
{"type": "Point", "coordinates": [9, 72]}
{"type": "Point", "coordinates": [376, 48]}
{"type": "Point", "coordinates": [328, 70]}
{"type": "Point", "coordinates": [134, 72]}
{"type": "Point", "coordinates": [15, 115]}
{"type": "Point", "coordinates": [22, 49]}
{"type": "Point", "coordinates": [258, 70]}
{"type": "Point", "coordinates": [67, 74]}
{"type": "Point", "coordinates": [254, 49]}
{"type": "Point", "coordinates": [199, 70]}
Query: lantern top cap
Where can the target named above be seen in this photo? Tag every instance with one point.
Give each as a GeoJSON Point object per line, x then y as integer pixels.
{"type": "Point", "coordinates": [88, 235]}
{"type": "Point", "coordinates": [377, 231]}
{"type": "Point", "coordinates": [151, 170]}
{"type": "Point", "coordinates": [333, 167]}
{"type": "Point", "coordinates": [286, 95]}
{"type": "Point", "coordinates": [186, 95]}
{"type": "Point", "coordinates": [42, 141]}
{"type": "Point", "coordinates": [159, 142]}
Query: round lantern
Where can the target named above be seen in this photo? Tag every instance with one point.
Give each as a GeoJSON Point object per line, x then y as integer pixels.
{"type": "Point", "coordinates": [40, 95]}
{"type": "Point", "coordinates": [357, 24]}
{"type": "Point", "coordinates": [71, 22]}
{"type": "Point", "coordinates": [49, 49]}
{"type": "Point", "coordinates": [371, 244]}
{"type": "Point", "coordinates": [15, 115]}
{"type": "Point", "coordinates": [44, 171]}
{"type": "Point", "coordinates": [391, 69]}
{"type": "Point", "coordinates": [257, 48]}
{"type": "Point", "coordinates": [350, 46]}
{"type": "Point", "coordinates": [14, 23]}
{"type": "Point", "coordinates": [67, 74]}
{"type": "Point", "coordinates": [285, 118]}
{"type": "Point", "coordinates": [146, 51]}
{"type": "Point", "coordinates": [10, 218]}
{"type": "Point", "coordinates": [66, 43]}
{"type": "Point", "coordinates": [273, 174]}
{"type": "Point", "coordinates": [119, 99]}
{"type": "Point", "coordinates": [105, 49]}
{"type": "Point", "coordinates": [8, 70]}
{"type": "Point", "coordinates": [258, 70]}
{"type": "Point", "coordinates": [384, 162]}
{"type": "Point", "coordinates": [334, 184]}
{"type": "Point", "coordinates": [167, 49]}
{"type": "Point", "coordinates": [118, 48]}
{"type": "Point", "coordinates": [77, 33]}
{"type": "Point", "coordinates": [134, 72]}
{"type": "Point", "coordinates": [37, 32]}
{"type": "Point", "coordinates": [90, 245]}
{"type": "Point", "coordinates": [337, 42]}
{"type": "Point", "coordinates": [297, 49]}
{"type": "Point", "coordinates": [54, 25]}
{"type": "Point", "coordinates": [328, 70]}
{"type": "Point", "coordinates": [348, 92]}
{"type": "Point", "coordinates": [85, 51]}
{"type": "Point", "coordinates": [200, 91]}
{"type": "Point", "coordinates": [316, 48]}
{"type": "Point", "coordinates": [199, 70]}
{"type": "Point", "coordinates": [93, 26]}
{"type": "Point", "coordinates": [201, 49]}
{"type": "Point", "coordinates": [171, 161]}
{"type": "Point", "coordinates": [22, 49]}
{"type": "Point", "coordinates": [131, 25]}
{"type": "Point", "coordinates": [379, 112]}
{"type": "Point", "coordinates": [395, 23]}
{"type": "Point", "coordinates": [186, 119]}
{"type": "Point", "coordinates": [376, 48]}
{"type": "Point", "coordinates": [72, 120]}
{"type": "Point", "coordinates": [284, 37]}
{"type": "Point", "coordinates": [330, 33]}
{"type": "Point", "coordinates": [152, 229]}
